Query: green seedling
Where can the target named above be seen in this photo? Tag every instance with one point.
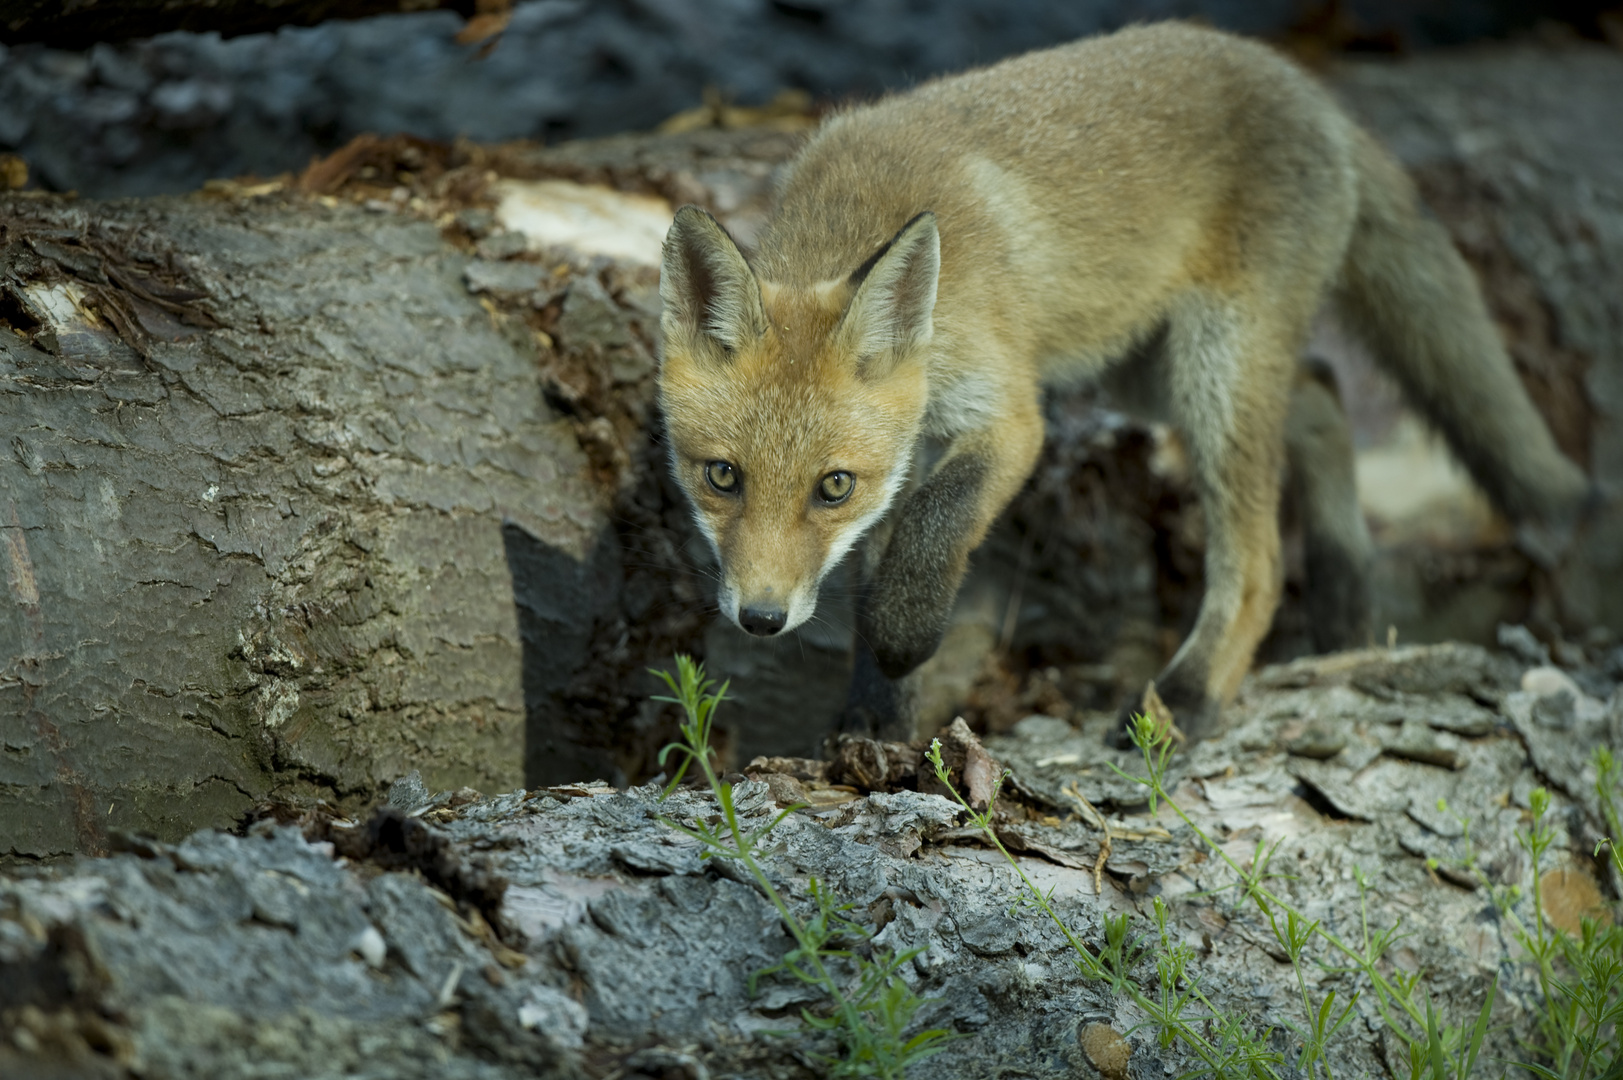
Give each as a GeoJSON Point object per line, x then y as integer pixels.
{"type": "Point", "coordinates": [1580, 976]}
{"type": "Point", "coordinates": [1178, 1009]}
{"type": "Point", "coordinates": [870, 1007]}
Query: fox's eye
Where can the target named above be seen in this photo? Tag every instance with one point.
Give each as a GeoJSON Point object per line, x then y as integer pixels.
{"type": "Point", "coordinates": [722, 476]}
{"type": "Point", "coordinates": [836, 487]}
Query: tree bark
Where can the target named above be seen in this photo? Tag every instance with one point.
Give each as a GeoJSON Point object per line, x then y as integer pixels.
{"type": "Point", "coordinates": [575, 932]}
{"type": "Point", "coordinates": [261, 455]}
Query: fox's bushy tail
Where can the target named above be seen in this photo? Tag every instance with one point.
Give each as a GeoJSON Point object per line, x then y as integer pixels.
{"type": "Point", "coordinates": [1407, 293]}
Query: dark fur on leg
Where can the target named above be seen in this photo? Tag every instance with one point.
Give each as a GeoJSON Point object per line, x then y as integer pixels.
{"type": "Point", "coordinates": [909, 601]}
{"type": "Point", "coordinates": [1337, 551]}
{"type": "Point", "coordinates": [1337, 594]}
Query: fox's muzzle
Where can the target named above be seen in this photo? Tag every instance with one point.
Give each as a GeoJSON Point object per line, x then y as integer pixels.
{"type": "Point", "coordinates": [762, 621]}
{"type": "Point", "coordinates": [766, 611]}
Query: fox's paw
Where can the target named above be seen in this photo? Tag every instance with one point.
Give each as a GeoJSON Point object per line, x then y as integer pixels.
{"type": "Point", "coordinates": [903, 636]}
{"type": "Point", "coordinates": [1194, 719]}
{"type": "Point", "coordinates": [1547, 542]}
{"type": "Point", "coordinates": [859, 719]}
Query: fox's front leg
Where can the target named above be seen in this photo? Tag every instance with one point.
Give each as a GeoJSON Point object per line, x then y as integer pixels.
{"type": "Point", "coordinates": [908, 599]}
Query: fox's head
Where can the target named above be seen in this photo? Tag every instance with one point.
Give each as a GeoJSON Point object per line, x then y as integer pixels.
{"type": "Point", "coordinates": [792, 410]}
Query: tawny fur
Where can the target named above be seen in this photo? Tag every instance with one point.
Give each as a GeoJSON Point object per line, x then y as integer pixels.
{"type": "Point", "coordinates": [1167, 194]}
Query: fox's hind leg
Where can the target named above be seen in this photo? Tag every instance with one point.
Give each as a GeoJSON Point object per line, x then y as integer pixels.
{"type": "Point", "coordinates": [1228, 382]}
{"type": "Point", "coordinates": [1323, 487]}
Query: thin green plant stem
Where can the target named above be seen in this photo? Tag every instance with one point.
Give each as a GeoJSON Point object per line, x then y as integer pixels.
{"type": "Point", "coordinates": [1154, 745]}
{"type": "Point", "coordinates": [872, 1051]}
{"type": "Point", "coordinates": [1579, 1026]}
{"type": "Point", "coordinates": [1166, 1013]}
{"type": "Point", "coordinates": [1535, 843]}
{"type": "Point", "coordinates": [690, 692]}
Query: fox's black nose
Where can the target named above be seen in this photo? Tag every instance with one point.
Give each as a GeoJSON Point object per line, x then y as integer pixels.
{"type": "Point", "coordinates": [762, 622]}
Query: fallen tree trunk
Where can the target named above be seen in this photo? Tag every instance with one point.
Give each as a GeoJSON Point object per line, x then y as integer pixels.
{"type": "Point", "coordinates": [314, 482]}
{"type": "Point", "coordinates": [571, 932]}
{"type": "Point", "coordinates": [261, 461]}
{"type": "Point", "coordinates": [286, 508]}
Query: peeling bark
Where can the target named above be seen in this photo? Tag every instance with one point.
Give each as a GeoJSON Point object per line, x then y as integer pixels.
{"type": "Point", "coordinates": [569, 932]}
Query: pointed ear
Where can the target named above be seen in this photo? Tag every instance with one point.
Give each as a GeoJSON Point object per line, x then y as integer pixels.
{"type": "Point", "coordinates": [893, 297]}
{"type": "Point", "coordinates": [708, 288]}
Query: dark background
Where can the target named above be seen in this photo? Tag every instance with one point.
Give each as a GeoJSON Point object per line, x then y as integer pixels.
{"type": "Point", "coordinates": [166, 113]}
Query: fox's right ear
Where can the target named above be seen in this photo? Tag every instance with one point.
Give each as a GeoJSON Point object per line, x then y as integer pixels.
{"type": "Point", "coordinates": [708, 288]}
{"type": "Point", "coordinates": [893, 298]}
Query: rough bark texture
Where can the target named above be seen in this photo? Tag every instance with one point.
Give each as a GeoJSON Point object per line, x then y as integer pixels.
{"type": "Point", "coordinates": [308, 484]}
{"type": "Point", "coordinates": [270, 552]}
{"type": "Point", "coordinates": [300, 495]}
{"type": "Point", "coordinates": [568, 932]}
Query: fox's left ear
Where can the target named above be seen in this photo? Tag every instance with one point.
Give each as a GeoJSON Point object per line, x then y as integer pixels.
{"type": "Point", "coordinates": [893, 298]}
{"type": "Point", "coordinates": [708, 288]}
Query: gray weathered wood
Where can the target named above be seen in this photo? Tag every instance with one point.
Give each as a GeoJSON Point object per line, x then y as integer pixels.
{"type": "Point", "coordinates": [266, 552]}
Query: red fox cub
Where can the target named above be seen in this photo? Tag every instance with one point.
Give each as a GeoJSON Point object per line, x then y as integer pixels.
{"type": "Point", "coordinates": [1166, 208]}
